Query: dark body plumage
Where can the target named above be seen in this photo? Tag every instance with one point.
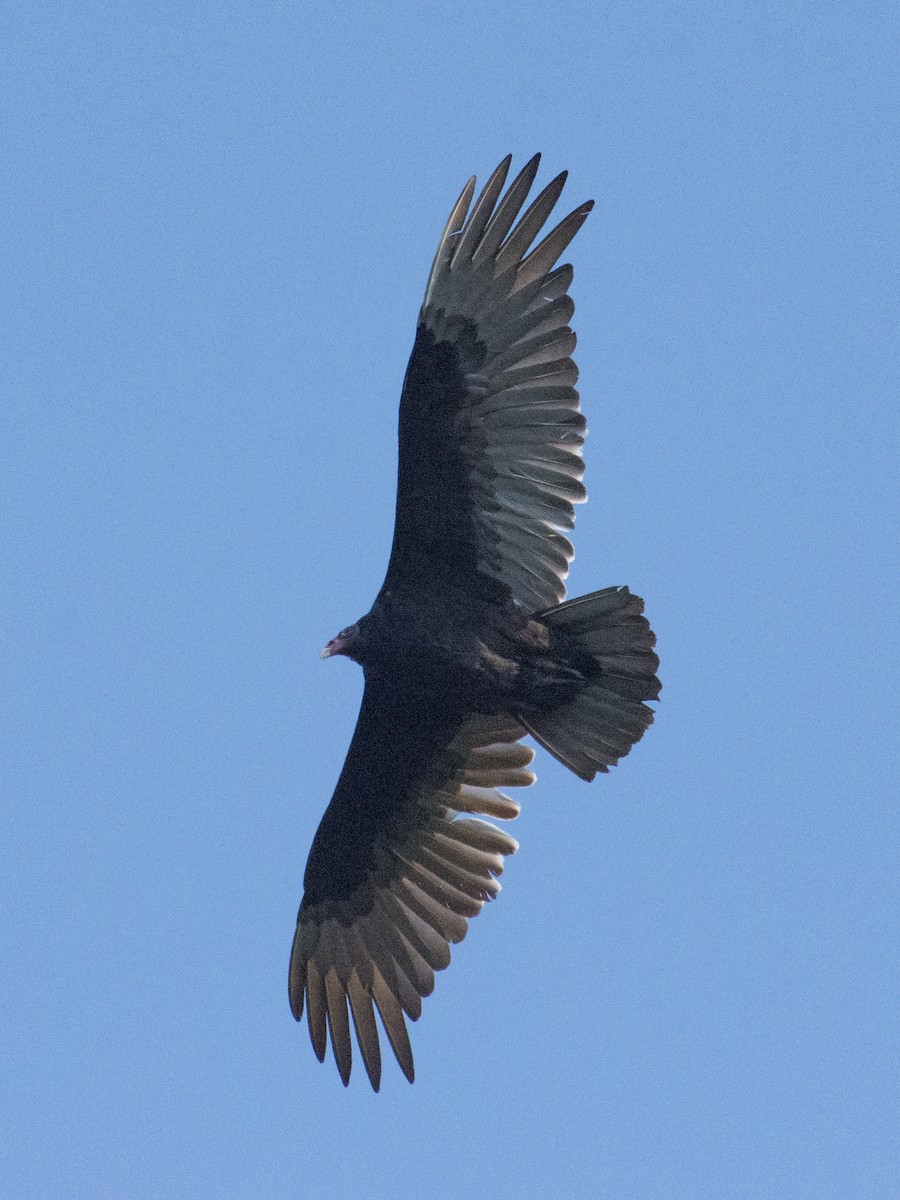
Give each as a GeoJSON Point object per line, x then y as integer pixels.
{"type": "Point", "coordinates": [467, 647]}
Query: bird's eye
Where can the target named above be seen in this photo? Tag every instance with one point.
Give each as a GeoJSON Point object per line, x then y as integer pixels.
{"type": "Point", "coordinates": [348, 632]}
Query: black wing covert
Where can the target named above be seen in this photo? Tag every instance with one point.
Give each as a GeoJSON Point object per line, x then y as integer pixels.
{"type": "Point", "coordinates": [490, 426]}
{"type": "Point", "coordinates": [395, 872]}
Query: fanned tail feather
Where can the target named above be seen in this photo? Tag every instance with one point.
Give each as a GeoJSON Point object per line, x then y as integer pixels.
{"type": "Point", "coordinates": [593, 731]}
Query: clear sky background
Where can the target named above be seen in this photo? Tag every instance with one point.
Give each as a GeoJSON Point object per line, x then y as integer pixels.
{"type": "Point", "coordinates": [217, 224]}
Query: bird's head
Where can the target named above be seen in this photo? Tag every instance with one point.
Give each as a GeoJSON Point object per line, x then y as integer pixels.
{"type": "Point", "coordinates": [347, 642]}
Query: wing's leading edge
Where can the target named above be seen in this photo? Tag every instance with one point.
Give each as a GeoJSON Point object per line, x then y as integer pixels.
{"type": "Point", "coordinates": [396, 872]}
{"type": "Point", "coordinates": [490, 426]}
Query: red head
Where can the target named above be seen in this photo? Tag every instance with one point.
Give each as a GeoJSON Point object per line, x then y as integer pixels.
{"type": "Point", "coordinates": [342, 644]}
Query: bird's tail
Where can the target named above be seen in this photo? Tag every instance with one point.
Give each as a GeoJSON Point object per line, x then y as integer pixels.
{"type": "Point", "coordinates": [597, 728]}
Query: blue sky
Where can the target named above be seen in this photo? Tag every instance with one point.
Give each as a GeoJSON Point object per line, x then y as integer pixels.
{"type": "Point", "coordinates": [218, 221]}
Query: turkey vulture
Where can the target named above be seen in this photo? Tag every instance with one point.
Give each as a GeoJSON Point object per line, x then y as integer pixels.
{"type": "Point", "coordinates": [468, 646]}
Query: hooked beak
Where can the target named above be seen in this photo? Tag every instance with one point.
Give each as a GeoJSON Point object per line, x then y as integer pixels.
{"type": "Point", "coordinates": [335, 646]}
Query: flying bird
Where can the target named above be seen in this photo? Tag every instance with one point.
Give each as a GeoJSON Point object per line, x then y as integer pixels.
{"type": "Point", "coordinates": [470, 644]}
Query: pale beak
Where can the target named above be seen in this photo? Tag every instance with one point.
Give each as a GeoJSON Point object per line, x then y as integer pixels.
{"type": "Point", "coordinates": [335, 646]}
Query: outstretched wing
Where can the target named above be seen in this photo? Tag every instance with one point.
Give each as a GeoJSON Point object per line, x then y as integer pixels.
{"type": "Point", "coordinates": [490, 427]}
{"type": "Point", "coordinates": [395, 872]}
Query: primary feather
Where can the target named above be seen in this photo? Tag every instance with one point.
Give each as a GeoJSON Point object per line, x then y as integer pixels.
{"type": "Point", "coordinates": [468, 645]}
